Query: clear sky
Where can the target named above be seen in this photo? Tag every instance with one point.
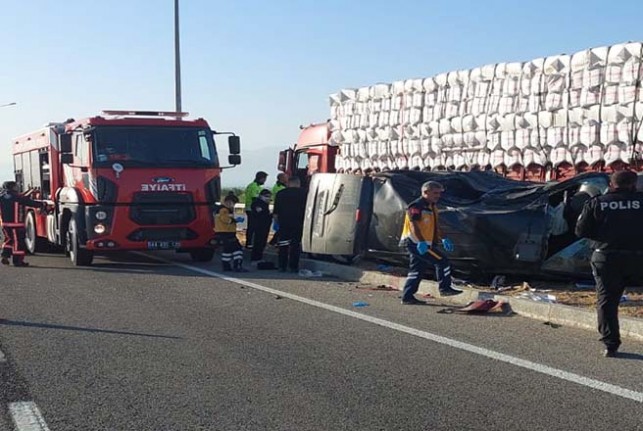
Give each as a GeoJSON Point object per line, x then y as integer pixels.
{"type": "Point", "coordinates": [261, 68]}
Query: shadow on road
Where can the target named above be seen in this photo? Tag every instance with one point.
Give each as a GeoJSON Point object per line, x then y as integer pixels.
{"type": "Point", "coordinates": [81, 329]}
{"type": "Point", "coordinates": [630, 356]}
{"type": "Point", "coordinates": [139, 263]}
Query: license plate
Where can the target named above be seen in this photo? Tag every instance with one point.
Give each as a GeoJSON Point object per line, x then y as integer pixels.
{"type": "Point", "coordinates": [163, 245]}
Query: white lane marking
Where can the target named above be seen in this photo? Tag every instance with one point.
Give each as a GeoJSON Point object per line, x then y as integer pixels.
{"type": "Point", "coordinates": [27, 416]}
{"type": "Point", "coordinates": [533, 366]}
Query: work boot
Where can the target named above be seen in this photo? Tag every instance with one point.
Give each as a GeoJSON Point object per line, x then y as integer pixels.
{"type": "Point", "coordinates": [611, 350]}
{"type": "Point", "coordinates": [238, 266]}
{"type": "Point", "coordinates": [413, 301]}
{"type": "Point", "coordinates": [20, 264]}
{"type": "Point", "coordinates": [5, 261]}
{"type": "Point", "coordinates": [610, 353]}
{"type": "Point", "coordinates": [450, 292]}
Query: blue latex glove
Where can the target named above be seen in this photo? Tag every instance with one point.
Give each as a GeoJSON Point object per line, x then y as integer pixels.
{"type": "Point", "coordinates": [239, 219]}
{"type": "Point", "coordinates": [275, 226]}
{"type": "Point", "coordinates": [448, 245]}
{"type": "Point", "coordinates": [423, 247]}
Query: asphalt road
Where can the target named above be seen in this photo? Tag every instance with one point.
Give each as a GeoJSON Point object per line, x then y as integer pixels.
{"type": "Point", "coordinates": [134, 344]}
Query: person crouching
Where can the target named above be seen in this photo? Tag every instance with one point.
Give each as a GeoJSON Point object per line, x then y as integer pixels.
{"type": "Point", "coordinates": [225, 234]}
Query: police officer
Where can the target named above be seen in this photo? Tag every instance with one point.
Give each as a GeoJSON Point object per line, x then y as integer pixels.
{"type": "Point", "coordinates": [288, 214]}
{"type": "Point", "coordinates": [614, 223]}
{"type": "Point", "coordinates": [281, 184]}
{"type": "Point", "coordinates": [260, 211]}
{"type": "Point", "coordinates": [252, 193]}
{"type": "Point", "coordinates": [13, 230]}
{"type": "Point", "coordinates": [421, 236]}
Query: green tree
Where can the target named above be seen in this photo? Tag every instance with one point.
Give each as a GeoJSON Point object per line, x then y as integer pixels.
{"type": "Point", "coordinates": [238, 192]}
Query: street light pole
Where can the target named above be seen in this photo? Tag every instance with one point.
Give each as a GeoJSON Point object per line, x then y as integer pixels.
{"type": "Point", "coordinates": [177, 57]}
{"type": "Point", "coordinates": [8, 104]}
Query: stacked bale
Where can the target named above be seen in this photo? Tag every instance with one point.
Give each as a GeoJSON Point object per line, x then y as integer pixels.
{"type": "Point", "coordinates": [564, 113]}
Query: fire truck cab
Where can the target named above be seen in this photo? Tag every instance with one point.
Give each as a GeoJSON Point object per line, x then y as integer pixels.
{"type": "Point", "coordinates": [125, 180]}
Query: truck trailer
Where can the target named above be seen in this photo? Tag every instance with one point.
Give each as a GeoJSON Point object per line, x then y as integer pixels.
{"type": "Point", "coordinates": [124, 180]}
{"type": "Point", "coordinates": [548, 130]}
{"type": "Point", "coordinates": [545, 119]}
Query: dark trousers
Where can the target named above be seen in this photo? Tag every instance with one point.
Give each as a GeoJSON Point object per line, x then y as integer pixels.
{"type": "Point", "coordinates": [14, 244]}
{"type": "Point", "coordinates": [250, 228]}
{"type": "Point", "coordinates": [232, 254]}
{"type": "Point", "coordinates": [275, 239]}
{"type": "Point", "coordinates": [259, 241]}
{"type": "Point", "coordinates": [289, 244]}
{"type": "Point", "coordinates": [611, 272]}
{"type": "Point", "coordinates": [418, 264]}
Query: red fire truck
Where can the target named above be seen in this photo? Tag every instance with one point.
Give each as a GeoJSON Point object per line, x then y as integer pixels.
{"type": "Point", "coordinates": [124, 180]}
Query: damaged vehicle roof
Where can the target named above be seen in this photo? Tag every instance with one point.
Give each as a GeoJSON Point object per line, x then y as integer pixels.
{"type": "Point", "coordinates": [498, 225]}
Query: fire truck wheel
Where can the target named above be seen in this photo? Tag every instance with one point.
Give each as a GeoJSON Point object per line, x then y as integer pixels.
{"type": "Point", "coordinates": [79, 256]}
{"type": "Point", "coordinates": [32, 242]}
{"type": "Point", "coordinates": [202, 254]}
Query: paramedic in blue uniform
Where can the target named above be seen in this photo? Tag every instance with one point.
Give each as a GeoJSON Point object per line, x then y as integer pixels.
{"type": "Point", "coordinates": [421, 236]}
{"type": "Point", "coordinates": [614, 224]}
{"type": "Point", "coordinates": [13, 229]}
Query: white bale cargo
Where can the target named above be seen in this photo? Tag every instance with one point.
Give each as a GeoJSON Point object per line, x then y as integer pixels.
{"type": "Point", "coordinates": [582, 108]}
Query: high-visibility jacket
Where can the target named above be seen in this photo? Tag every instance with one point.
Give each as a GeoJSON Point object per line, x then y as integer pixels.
{"type": "Point", "coordinates": [276, 189]}
{"type": "Point", "coordinates": [425, 215]}
{"type": "Point", "coordinates": [252, 192]}
{"type": "Point", "coordinates": [224, 221]}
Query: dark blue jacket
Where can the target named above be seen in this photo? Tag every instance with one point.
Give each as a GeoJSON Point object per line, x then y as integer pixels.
{"type": "Point", "coordinates": [614, 221]}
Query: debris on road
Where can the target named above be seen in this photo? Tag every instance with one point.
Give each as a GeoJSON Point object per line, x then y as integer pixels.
{"type": "Point", "coordinates": [480, 306]}
{"type": "Point", "coordinates": [379, 288]}
{"type": "Point", "coordinates": [498, 282]}
{"type": "Point", "coordinates": [359, 304]}
{"type": "Point", "coordinates": [538, 297]}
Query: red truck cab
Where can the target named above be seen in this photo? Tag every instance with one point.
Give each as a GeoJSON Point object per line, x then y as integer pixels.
{"type": "Point", "coordinates": [313, 153]}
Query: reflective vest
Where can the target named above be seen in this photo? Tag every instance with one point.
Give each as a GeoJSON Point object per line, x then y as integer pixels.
{"type": "Point", "coordinates": [425, 215]}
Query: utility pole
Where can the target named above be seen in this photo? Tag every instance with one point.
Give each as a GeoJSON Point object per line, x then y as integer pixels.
{"type": "Point", "coordinates": [177, 57]}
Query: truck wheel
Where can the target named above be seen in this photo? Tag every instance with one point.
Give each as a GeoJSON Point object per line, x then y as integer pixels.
{"type": "Point", "coordinates": [78, 256]}
{"type": "Point", "coordinates": [202, 254]}
{"type": "Point", "coordinates": [32, 242]}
